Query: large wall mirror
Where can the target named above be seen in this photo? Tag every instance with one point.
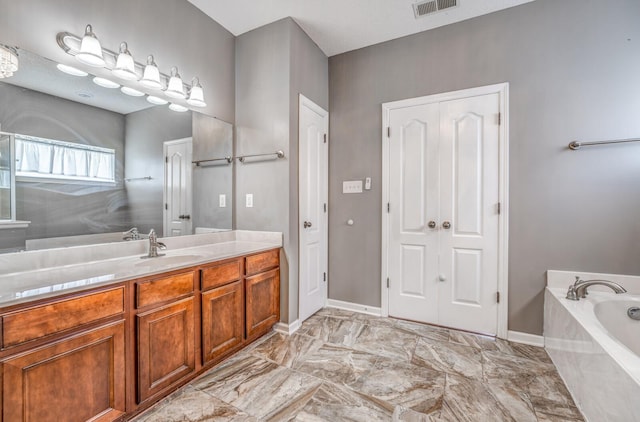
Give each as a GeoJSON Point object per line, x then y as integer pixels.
{"type": "Point", "coordinates": [93, 163]}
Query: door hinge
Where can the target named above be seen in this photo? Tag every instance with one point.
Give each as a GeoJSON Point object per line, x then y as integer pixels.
{"type": "Point", "coordinates": [325, 138]}
{"type": "Point", "coordinates": [166, 160]}
{"type": "Point", "coordinates": [388, 207]}
{"type": "Point", "coordinates": [166, 206]}
{"type": "Point", "coordinates": [499, 119]}
{"type": "Point", "coordinates": [324, 276]}
{"type": "Point", "coordinates": [497, 297]}
{"type": "Point", "coordinates": [499, 207]}
{"type": "Point", "coordinates": [388, 131]}
{"type": "Point", "coordinates": [387, 282]}
{"type": "Point", "coordinates": [325, 207]}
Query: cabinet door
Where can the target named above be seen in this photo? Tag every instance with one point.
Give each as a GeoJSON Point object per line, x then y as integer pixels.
{"type": "Point", "coordinates": [166, 339]}
{"type": "Point", "coordinates": [262, 302]}
{"type": "Point", "coordinates": [77, 379]}
{"type": "Point", "coordinates": [222, 320]}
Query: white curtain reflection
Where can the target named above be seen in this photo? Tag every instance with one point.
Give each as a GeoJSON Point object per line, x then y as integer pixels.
{"type": "Point", "coordinates": [39, 157]}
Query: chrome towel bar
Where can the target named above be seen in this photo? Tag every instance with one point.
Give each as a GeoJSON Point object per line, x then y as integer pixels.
{"type": "Point", "coordinates": [575, 145]}
{"type": "Point", "coordinates": [278, 154]}
{"type": "Point", "coordinates": [209, 160]}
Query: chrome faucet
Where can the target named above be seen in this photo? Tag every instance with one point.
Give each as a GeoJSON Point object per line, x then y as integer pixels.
{"type": "Point", "coordinates": [131, 234]}
{"type": "Point", "coordinates": [154, 245]}
{"type": "Point", "coordinates": [579, 289]}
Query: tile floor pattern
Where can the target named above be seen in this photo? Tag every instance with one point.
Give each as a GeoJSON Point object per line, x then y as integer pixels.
{"type": "Point", "coordinates": [344, 366]}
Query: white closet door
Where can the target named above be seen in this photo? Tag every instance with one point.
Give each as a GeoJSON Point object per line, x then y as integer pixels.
{"type": "Point", "coordinates": [413, 187]}
{"type": "Point", "coordinates": [177, 187]}
{"type": "Point", "coordinates": [469, 159]}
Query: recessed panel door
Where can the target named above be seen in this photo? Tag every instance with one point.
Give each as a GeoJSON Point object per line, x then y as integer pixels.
{"type": "Point", "coordinates": [413, 187]}
{"type": "Point", "coordinates": [177, 187]}
{"type": "Point", "coordinates": [469, 150]}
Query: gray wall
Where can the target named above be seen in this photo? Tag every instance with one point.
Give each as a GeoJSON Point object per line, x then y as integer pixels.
{"type": "Point", "coordinates": [58, 209]}
{"type": "Point", "coordinates": [574, 73]}
{"type": "Point", "coordinates": [145, 133]}
{"type": "Point", "coordinates": [175, 31]}
{"type": "Point", "coordinates": [273, 64]}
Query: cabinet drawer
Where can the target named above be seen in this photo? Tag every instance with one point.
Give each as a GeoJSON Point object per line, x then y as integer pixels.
{"type": "Point", "coordinates": [48, 319]}
{"type": "Point", "coordinates": [160, 290]}
{"type": "Point", "coordinates": [255, 264]}
{"type": "Point", "coordinates": [218, 275]}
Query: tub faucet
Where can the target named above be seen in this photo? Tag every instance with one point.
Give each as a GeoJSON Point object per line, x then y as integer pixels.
{"type": "Point", "coordinates": [154, 245]}
{"type": "Point", "coordinates": [131, 234]}
{"type": "Point", "coordinates": [579, 289]}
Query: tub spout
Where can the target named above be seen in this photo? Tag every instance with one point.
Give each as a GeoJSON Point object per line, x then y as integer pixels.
{"type": "Point", "coordinates": [579, 289]}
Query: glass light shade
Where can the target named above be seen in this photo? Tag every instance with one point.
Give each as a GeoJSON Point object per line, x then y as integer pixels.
{"type": "Point", "coordinates": [70, 70]}
{"type": "Point", "coordinates": [178, 108]}
{"type": "Point", "coordinates": [151, 75]}
{"type": "Point", "coordinates": [105, 83]}
{"type": "Point", "coordinates": [196, 95]}
{"type": "Point", "coordinates": [8, 61]}
{"type": "Point", "coordinates": [156, 100]}
{"type": "Point", "coordinates": [90, 50]}
{"type": "Point", "coordinates": [132, 92]}
{"type": "Point", "coordinates": [175, 88]}
{"type": "Point", "coordinates": [125, 66]}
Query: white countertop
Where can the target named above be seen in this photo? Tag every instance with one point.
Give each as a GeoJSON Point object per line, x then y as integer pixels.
{"type": "Point", "coordinates": [39, 281]}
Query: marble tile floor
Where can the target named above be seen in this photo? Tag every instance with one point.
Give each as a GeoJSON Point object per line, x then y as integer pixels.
{"type": "Point", "coordinates": [345, 366]}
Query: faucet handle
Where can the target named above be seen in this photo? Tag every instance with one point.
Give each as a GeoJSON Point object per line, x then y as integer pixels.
{"type": "Point", "coordinates": [577, 280]}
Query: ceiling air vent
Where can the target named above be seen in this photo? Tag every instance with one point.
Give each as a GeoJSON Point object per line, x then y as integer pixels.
{"type": "Point", "coordinates": [424, 8]}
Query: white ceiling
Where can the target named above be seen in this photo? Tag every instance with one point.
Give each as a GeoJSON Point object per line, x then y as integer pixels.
{"type": "Point", "coordinates": [338, 26]}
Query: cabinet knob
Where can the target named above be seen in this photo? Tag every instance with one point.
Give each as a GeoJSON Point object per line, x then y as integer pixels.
{"type": "Point", "coordinates": [432, 224]}
{"type": "Point", "coordinates": [446, 225]}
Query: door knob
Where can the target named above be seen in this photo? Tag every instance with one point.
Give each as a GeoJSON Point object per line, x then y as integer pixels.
{"type": "Point", "coordinates": [446, 225]}
{"type": "Point", "coordinates": [184, 217]}
{"type": "Point", "coordinates": [307, 224]}
{"type": "Point", "coordinates": [432, 224]}
{"type": "Point", "coordinates": [441, 277]}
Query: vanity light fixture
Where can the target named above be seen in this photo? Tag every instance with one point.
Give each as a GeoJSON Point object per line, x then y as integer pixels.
{"type": "Point", "coordinates": [132, 92]}
{"type": "Point", "coordinates": [178, 108]}
{"type": "Point", "coordinates": [151, 75]}
{"type": "Point", "coordinates": [90, 49]}
{"type": "Point", "coordinates": [156, 100]}
{"type": "Point", "coordinates": [125, 66]}
{"type": "Point", "coordinates": [196, 94]}
{"type": "Point", "coordinates": [105, 83]}
{"type": "Point", "coordinates": [8, 61]}
{"type": "Point", "coordinates": [70, 70]}
{"type": "Point", "coordinates": [175, 89]}
{"type": "Point", "coordinates": [122, 65]}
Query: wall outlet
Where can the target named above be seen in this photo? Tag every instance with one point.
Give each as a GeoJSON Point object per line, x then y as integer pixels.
{"type": "Point", "coordinates": [352, 186]}
{"type": "Point", "coordinates": [223, 200]}
{"type": "Point", "coordinates": [249, 200]}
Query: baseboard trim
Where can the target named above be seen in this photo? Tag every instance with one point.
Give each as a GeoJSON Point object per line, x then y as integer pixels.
{"type": "Point", "coordinates": [525, 338]}
{"type": "Point", "coordinates": [285, 328]}
{"type": "Point", "coordinates": [356, 307]}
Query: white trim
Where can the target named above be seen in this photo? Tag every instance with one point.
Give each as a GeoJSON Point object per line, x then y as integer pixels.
{"type": "Point", "coordinates": [525, 338]}
{"type": "Point", "coordinates": [288, 329]}
{"type": "Point", "coordinates": [356, 307]}
{"type": "Point", "coordinates": [304, 101]}
{"type": "Point", "coordinates": [14, 224]}
{"type": "Point", "coordinates": [502, 90]}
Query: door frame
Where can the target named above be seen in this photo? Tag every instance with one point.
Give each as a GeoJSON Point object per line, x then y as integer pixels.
{"type": "Point", "coordinates": [304, 101]}
{"type": "Point", "coordinates": [165, 146]}
{"type": "Point", "coordinates": [502, 89]}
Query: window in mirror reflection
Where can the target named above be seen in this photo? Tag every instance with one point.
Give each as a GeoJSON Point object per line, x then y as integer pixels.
{"type": "Point", "coordinates": [40, 158]}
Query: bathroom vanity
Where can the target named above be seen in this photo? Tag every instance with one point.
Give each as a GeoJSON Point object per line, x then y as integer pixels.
{"type": "Point", "coordinates": [114, 346]}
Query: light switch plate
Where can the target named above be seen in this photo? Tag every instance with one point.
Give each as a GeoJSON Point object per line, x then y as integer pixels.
{"type": "Point", "coordinates": [223, 200]}
{"type": "Point", "coordinates": [352, 186]}
{"type": "Point", "coordinates": [249, 200]}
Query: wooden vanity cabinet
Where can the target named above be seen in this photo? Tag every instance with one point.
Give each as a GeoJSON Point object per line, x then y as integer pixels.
{"type": "Point", "coordinates": [64, 359]}
{"type": "Point", "coordinates": [262, 293]}
{"type": "Point", "coordinates": [165, 332]}
{"type": "Point", "coordinates": [222, 310]}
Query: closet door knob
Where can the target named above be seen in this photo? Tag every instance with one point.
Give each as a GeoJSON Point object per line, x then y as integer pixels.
{"type": "Point", "coordinates": [446, 225]}
{"type": "Point", "coordinates": [307, 224]}
{"type": "Point", "coordinates": [432, 224]}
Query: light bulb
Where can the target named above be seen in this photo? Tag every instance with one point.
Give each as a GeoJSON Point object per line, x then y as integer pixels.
{"type": "Point", "coordinates": [175, 88]}
{"type": "Point", "coordinates": [90, 50]}
{"type": "Point", "coordinates": [196, 94]}
{"type": "Point", "coordinates": [125, 66]}
{"type": "Point", "coordinates": [151, 75]}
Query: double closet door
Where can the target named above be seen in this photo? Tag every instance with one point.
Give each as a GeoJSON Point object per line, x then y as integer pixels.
{"type": "Point", "coordinates": [444, 213]}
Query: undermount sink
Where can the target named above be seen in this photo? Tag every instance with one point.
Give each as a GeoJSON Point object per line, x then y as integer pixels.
{"type": "Point", "coordinates": [166, 260]}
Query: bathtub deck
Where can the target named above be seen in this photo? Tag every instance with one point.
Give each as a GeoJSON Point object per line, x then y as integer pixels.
{"type": "Point", "coordinates": [346, 366]}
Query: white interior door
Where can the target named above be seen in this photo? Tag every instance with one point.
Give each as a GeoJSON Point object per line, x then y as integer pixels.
{"type": "Point", "coordinates": [177, 187]}
{"type": "Point", "coordinates": [313, 206]}
{"type": "Point", "coordinates": [443, 215]}
{"type": "Point", "coordinates": [414, 182]}
{"type": "Point", "coordinates": [469, 153]}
